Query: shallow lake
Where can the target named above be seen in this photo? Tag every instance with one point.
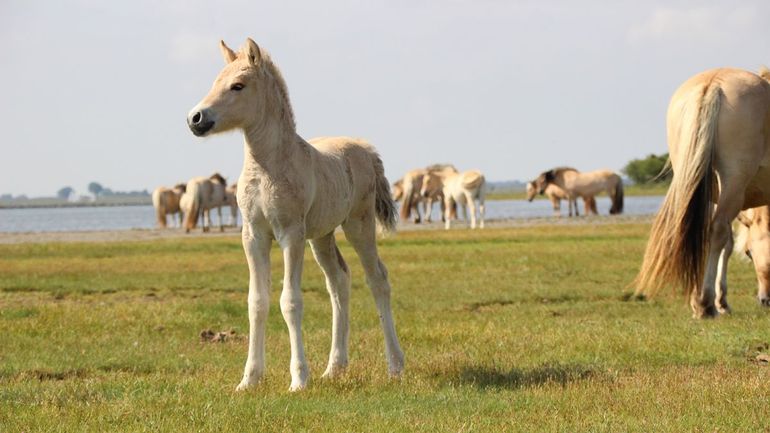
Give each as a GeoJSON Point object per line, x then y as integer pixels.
{"type": "Point", "coordinates": [142, 217]}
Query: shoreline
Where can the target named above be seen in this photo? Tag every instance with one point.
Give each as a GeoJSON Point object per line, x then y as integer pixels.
{"type": "Point", "coordinates": [7, 238]}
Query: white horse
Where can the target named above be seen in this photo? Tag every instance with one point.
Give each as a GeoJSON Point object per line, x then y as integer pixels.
{"type": "Point", "coordinates": [292, 191]}
{"type": "Point", "coordinates": [462, 189]}
{"type": "Point", "coordinates": [202, 195]}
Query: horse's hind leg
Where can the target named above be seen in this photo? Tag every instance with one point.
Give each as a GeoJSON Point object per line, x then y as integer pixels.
{"type": "Point", "coordinates": [361, 234]}
{"type": "Point", "coordinates": [221, 223]}
{"type": "Point", "coordinates": [721, 279]}
{"type": "Point", "coordinates": [730, 200]}
{"type": "Point", "coordinates": [338, 284]}
{"type": "Point", "coordinates": [482, 211]}
{"type": "Point", "coordinates": [472, 205]}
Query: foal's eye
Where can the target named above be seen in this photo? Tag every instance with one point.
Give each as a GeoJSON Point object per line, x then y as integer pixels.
{"type": "Point", "coordinates": [237, 87]}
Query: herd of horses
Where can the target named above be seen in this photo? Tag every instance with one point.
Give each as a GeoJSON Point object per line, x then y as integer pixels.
{"type": "Point", "coordinates": [191, 203]}
{"type": "Point", "coordinates": [291, 191]}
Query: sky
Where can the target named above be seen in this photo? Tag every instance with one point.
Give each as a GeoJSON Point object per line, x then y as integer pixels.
{"type": "Point", "coordinates": [99, 91]}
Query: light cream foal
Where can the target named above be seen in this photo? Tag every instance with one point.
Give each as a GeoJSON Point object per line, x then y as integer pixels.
{"type": "Point", "coordinates": [292, 191]}
{"type": "Point", "coordinates": [462, 189]}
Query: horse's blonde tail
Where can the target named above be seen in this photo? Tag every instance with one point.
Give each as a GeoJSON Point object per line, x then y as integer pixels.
{"type": "Point", "coordinates": [679, 238]}
{"type": "Point", "coordinates": [159, 203]}
{"type": "Point", "coordinates": [617, 197]}
{"type": "Point", "coordinates": [384, 206]}
{"type": "Point", "coordinates": [192, 214]}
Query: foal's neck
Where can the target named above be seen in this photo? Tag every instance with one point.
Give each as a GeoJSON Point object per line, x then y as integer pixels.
{"type": "Point", "coordinates": [272, 143]}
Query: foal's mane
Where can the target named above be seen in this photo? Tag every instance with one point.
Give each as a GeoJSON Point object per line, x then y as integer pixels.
{"type": "Point", "coordinates": [559, 170]}
{"type": "Point", "coordinates": [439, 167]}
{"type": "Point", "coordinates": [181, 186]}
{"type": "Point", "coordinates": [266, 63]}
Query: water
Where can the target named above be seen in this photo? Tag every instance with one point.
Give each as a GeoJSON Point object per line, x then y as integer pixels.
{"type": "Point", "coordinates": [143, 217]}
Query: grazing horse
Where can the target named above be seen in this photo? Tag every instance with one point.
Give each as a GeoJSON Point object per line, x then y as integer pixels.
{"type": "Point", "coordinates": [292, 191]}
{"type": "Point", "coordinates": [580, 184]}
{"type": "Point", "coordinates": [232, 201]}
{"type": "Point", "coordinates": [202, 195]}
{"type": "Point", "coordinates": [555, 194]}
{"type": "Point", "coordinates": [166, 202]}
{"type": "Point", "coordinates": [718, 127]}
{"type": "Point", "coordinates": [753, 240]}
{"type": "Point", "coordinates": [459, 188]}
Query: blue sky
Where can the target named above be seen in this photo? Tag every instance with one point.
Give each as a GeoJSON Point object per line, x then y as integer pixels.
{"type": "Point", "coordinates": [99, 90]}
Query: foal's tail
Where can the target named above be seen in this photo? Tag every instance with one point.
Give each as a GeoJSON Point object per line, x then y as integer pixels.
{"type": "Point", "coordinates": [159, 202]}
{"type": "Point", "coordinates": [679, 238]}
{"type": "Point", "coordinates": [384, 206]}
{"type": "Point", "coordinates": [193, 205]}
{"type": "Point", "coordinates": [617, 197]}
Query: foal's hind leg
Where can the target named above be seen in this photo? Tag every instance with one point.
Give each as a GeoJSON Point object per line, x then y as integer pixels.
{"type": "Point", "coordinates": [361, 234]}
{"type": "Point", "coordinates": [338, 284]}
{"type": "Point", "coordinates": [472, 205]}
{"type": "Point", "coordinates": [721, 280]}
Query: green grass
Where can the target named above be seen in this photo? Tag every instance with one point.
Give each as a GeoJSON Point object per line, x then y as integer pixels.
{"type": "Point", "coordinates": [522, 329]}
{"type": "Point", "coordinates": [629, 191]}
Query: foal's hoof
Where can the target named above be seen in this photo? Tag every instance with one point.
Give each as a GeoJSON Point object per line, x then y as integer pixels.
{"type": "Point", "coordinates": [245, 384]}
{"type": "Point", "coordinates": [333, 371]}
{"type": "Point", "coordinates": [298, 386]}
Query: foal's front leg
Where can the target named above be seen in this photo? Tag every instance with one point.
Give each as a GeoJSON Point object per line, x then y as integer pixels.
{"type": "Point", "coordinates": [257, 249]}
{"type": "Point", "coordinates": [291, 305]}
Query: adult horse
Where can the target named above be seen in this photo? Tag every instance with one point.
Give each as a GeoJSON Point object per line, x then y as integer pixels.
{"type": "Point", "coordinates": [166, 202]}
{"type": "Point", "coordinates": [580, 184]}
{"type": "Point", "coordinates": [718, 127]}
{"type": "Point", "coordinates": [292, 191]}
{"type": "Point", "coordinates": [202, 195]}
{"type": "Point", "coordinates": [462, 189]}
{"type": "Point", "coordinates": [555, 194]}
{"type": "Point", "coordinates": [753, 240]}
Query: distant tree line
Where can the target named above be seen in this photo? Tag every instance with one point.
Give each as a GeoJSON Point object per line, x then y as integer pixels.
{"type": "Point", "coordinates": [649, 170]}
{"type": "Point", "coordinates": [68, 193]}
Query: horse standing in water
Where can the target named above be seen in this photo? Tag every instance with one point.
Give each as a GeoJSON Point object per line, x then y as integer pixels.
{"type": "Point", "coordinates": [292, 191]}
{"type": "Point", "coordinates": [556, 195]}
{"type": "Point", "coordinates": [718, 127]}
{"type": "Point", "coordinates": [166, 202]}
{"type": "Point", "coordinates": [581, 184]}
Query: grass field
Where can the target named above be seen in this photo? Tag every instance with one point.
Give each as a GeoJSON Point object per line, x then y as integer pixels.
{"type": "Point", "coordinates": [518, 329]}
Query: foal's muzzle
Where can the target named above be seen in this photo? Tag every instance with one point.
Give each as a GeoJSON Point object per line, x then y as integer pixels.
{"type": "Point", "coordinates": [200, 122]}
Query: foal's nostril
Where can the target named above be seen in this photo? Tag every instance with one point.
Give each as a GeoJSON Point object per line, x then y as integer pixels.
{"type": "Point", "coordinates": [196, 119]}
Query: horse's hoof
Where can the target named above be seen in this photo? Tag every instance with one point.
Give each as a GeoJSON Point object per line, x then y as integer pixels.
{"type": "Point", "coordinates": [765, 302]}
{"type": "Point", "coordinates": [724, 309]}
{"type": "Point", "coordinates": [245, 384]}
{"type": "Point", "coordinates": [334, 370]}
{"type": "Point", "coordinates": [298, 386]}
{"type": "Point", "coordinates": [709, 312]}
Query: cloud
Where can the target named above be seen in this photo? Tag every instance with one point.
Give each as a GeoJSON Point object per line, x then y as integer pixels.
{"type": "Point", "coordinates": [707, 24]}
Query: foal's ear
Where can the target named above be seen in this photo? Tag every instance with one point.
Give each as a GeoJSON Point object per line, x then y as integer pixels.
{"type": "Point", "coordinates": [252, 52]}
{"type": "Point", "coordinates": [228, 54]}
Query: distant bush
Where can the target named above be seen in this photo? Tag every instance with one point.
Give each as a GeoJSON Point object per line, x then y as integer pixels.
{"type": "Point", "coordinates": [648, 170]}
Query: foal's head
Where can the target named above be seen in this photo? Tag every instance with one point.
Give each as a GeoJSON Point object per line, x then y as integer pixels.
{"type": "Point", "coordinates": [247, 88]}
{"type": "Point", "coordinates": [431, 184]}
